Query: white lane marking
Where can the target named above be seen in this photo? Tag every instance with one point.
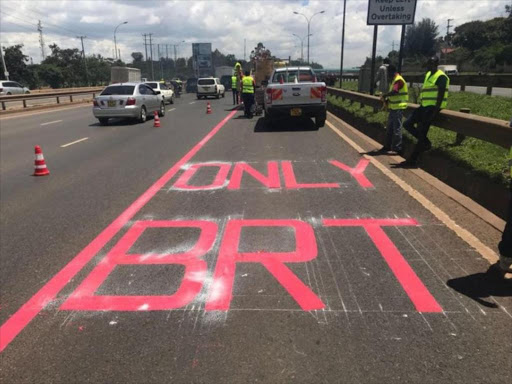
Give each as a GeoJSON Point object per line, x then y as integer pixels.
{"type": "Point", "coordinates": [73, 142]}
{"type": "Point", "coordinates": [52, 122]}
{"type": "Point", "coordinates": [486, 252]}
{"type": "Point", "coordinates": [22, 113]}
{"type": "Point", "coordinates": [170, 110]}
{"type": "Point", "coordinates": [192, 102]}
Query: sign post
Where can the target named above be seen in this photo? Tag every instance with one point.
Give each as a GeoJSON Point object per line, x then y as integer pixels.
{"type": "Point", "coordinates": [389, 12]}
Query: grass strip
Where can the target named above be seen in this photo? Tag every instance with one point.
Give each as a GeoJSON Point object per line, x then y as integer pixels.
{"type": "Point", "coordinates": [477, 156]}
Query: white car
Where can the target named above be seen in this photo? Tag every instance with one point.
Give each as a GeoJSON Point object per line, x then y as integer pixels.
{"type": "Point", "coordinates": [166, 92]}
{"type": "Point", "coordinates": [210, 86]}
{"type": "Point", "coordinates": [12, 88]}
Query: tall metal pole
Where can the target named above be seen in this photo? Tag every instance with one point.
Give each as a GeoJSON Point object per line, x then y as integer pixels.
{"type": "Point", "coordinates": [115, 41]}
{"type": "Point", "coordinates": [83, 57]}
{"type": "Point", "coordinates": [41, 40]}
{"type": "Point", "coordinates": [401, 53]}
{"type": "Point", "coordinates": [309, 22]}
{"type": "Point", "coordinates": [374, 51]}
{"type": "Point", "coordinates": [342, 40]}
{"type": "Point", "coordinates": [6, 74]}
{"type": "Point", "coordinates": [151, 54]}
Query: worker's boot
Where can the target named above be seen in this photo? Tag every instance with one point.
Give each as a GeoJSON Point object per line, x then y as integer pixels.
{"type": "Point", "coordinates": [505, 263]}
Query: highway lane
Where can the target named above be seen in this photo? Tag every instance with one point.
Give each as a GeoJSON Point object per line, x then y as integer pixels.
{"type": "Point", "coordinates": [294, 278]}
{"type": "Point", "coordinates": [90, 183]}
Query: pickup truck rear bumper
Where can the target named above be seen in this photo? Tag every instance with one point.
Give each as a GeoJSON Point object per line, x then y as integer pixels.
{"type": "Point", "coordinates": [308, 110]}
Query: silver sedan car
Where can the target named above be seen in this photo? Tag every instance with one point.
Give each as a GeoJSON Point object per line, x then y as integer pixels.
{"type": "Point", "coordinates": [128, 100]}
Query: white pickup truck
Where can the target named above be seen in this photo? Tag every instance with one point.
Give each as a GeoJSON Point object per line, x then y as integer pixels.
{"type": "Point", "coordinates": [294, 92]}
{"type": "Point", "coordinates": [166, 92]}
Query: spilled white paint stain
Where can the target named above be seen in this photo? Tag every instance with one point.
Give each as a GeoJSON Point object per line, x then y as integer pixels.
{"type": "Point", "coordinates": [143, 307]}
{"type": "Point", "coordinates": [245, 275]}
{"type": "Point", "coordinates": [113, 322]}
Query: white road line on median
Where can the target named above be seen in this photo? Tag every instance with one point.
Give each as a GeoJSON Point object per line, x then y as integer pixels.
{"type": "Point", "coordinates": [170, 110]}
{"type": "Point", "coordinates": [192, 102]}
{"type": "Point", "coordinates": [51, 122]}
{"type": "Point", "coordinates": [73, 142]}
{"type": "Point", "coordinates": [486, 252]}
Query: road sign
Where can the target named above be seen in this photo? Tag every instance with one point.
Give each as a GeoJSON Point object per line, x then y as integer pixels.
{"type": "Point", "coordinates": [391, 12]}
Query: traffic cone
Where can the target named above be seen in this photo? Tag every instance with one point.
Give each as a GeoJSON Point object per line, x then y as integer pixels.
{"type": "Point", "coordinates": [156, 123]}
{"type": "Point", "coordinates": [40, 164]}
{"type": "Point", "coordinates": [208, 108]}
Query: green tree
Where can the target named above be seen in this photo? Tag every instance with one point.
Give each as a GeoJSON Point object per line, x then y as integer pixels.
{"type": "Point", "coordinates": [16, 63]}
{"type": "Point", "coordinates": [137, 57]}
{"type": "Point", "coordinates": [51, 75]}
{"type": "Point", "coordinates": [420, 38]}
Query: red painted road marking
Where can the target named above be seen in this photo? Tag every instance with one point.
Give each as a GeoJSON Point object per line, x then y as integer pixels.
{"type": "Point", "coordinates": [220, 178]}
{"type": "Point", "coordinates": [220, 294]}
{"type": "Point", "coordinates": [84, 299]}
{"type": "Point", "coordinates": [19, 320]}
{"type": "Point", "coordinates": [291, 182]}
{"type": "Point", "coordinates": [412, 285]}
{"type": "Point", "coordinates": [270, 181]}
{"type": "Point", "coordinates": [357, 172]}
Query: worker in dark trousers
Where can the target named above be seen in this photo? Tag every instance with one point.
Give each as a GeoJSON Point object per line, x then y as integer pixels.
{"type": "Point", "coordinates": [505, 245]}
{"type": "Point", "coordinates": [234, 89]}
{"type": "Point", "coordinates": [434, 97]}
{"type": "Point", "coordinates": [248, 87]}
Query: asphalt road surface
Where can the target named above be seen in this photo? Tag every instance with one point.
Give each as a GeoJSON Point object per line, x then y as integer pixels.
{"type": "Point", "coordinates": [218, 249]}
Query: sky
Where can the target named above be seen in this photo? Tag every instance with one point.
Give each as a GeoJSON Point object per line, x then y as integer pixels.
{"type": "Point", "coordinates": [226, 24]}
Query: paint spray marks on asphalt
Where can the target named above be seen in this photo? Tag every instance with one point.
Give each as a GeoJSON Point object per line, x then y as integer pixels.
{"type": "Point", "coordinates": [212, 259]}
{"type": "Point", "coordinates": [214, 175]}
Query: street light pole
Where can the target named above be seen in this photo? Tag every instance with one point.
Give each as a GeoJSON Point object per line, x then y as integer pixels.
{"type": "Point", "coordinates": [301, 46]}
{"type": "Point", "coordinates": [115, 41]}
{"type": "Point", "coordinates": [309, 24]}
{"type": "Point", "coordinates": [342, 40]}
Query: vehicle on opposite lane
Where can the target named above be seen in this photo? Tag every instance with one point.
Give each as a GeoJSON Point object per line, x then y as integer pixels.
{"type": "Point", "coordinates": [167, 92]}
{"type": "Point", "coordinates": [12, 88]}
{"type": "Point", "coordinates": [127, 100]}
{"type": "Point", "coordinates": [210, 86]}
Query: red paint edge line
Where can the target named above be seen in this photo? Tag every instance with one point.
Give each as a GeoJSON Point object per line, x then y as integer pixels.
{"type": "Point", "coordinates": [23, 316]}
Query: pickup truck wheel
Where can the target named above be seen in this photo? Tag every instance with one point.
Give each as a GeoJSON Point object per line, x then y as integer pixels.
{"type": "Point", "coordinates": [161, 112]}
{"type": "Point", "coordinates": [217, 96]}
{"type": "Point", "coordinates": [319, 122]}
{"type": "Point", "coordinates": [103, 120]}
{"type": "Point", "coordinates": [224, 95]}
{"type": "Point", "coordinates": [172, 100]}
{"type": "Point", "coordinates": [198, 97]}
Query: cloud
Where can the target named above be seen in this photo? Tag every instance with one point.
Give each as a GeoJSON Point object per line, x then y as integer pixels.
{"type": "Point", "coordinates": [226, 24]}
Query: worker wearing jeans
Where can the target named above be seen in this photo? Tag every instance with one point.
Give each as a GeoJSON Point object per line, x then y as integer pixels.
{"type": "Point", "coordinates": [396, 99]}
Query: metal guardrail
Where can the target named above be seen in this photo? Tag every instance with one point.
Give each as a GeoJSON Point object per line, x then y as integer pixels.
{"type": "Point", "coordinates": [484, 128]}
{"type": "Point", "coordinates": [46, 95]}
{"type": "Point", "coordinates": [487, 81]}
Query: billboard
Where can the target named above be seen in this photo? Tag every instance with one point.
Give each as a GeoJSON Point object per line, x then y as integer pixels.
{"type": "Point", "coordinates": [391, 12]}
{"type": "Point", "coordinates": [202, 58]}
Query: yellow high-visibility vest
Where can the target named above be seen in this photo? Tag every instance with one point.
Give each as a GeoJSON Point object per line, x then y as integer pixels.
{"type": "Point", "coordinates": [429, 91]}
{"type": "Point", "coordinates": [398, 101]}
{"type": "Point", "coordinates": [247, 84]}
{"type": "Point", "coordinates": [233, 82]}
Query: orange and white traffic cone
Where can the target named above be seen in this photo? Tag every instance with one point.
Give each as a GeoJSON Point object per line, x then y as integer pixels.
{"type": "Point", "coordinates": [156, 123]}
{"type": "Point", "coordinates": [40, 164]}
{"type": "Point", "coordinates": [208, 108]}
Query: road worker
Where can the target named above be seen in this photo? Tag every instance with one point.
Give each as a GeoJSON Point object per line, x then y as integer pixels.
{"type": "Point", "coordinates": [396, 99]}
{"type": "Point", "coordinates": [248, 87]}
{"type": "Point", "coordinates": [434, 97]}
{"type": "Point", "coordinates": [505, 245]}
{"type": "Point", "coordinates": [234, 89]}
